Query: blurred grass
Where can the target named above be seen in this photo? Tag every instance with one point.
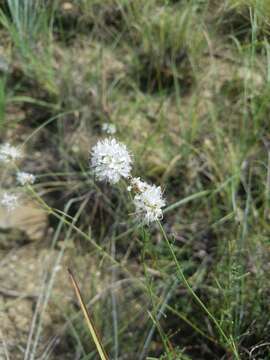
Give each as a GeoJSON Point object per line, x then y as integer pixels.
{"type": "Point", "coordinates": [187, 85]}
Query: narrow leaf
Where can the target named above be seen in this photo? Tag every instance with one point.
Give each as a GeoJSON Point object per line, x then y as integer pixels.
{"type": "Point", "coordinates": [88, 319]}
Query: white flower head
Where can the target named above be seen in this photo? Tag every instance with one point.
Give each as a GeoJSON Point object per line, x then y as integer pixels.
{"type": "Point", "coordinates": [25, 178]}
{"type": "Point", "coordinates": [9, 153]}
{"type": "Point", "coordinates": [9, 201]}
{"type": "Point", "coordinates": [148, 201]}
{"type": "Point", "coordinates": [111, 161]}
{"type": "Point", "coordinates": [109, 128]}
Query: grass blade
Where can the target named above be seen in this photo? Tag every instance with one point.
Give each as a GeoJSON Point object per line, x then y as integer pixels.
{"type": "Point", "coordinates": [88, 319]}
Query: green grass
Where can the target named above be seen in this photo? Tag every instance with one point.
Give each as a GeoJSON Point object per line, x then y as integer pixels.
{"type": "Point", "coordinates": [187, 85]}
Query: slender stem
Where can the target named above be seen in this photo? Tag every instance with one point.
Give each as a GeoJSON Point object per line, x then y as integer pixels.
{"type": "Point", "coordinates": [64, 218]}
{"type": "Point", "coordinates": [99, 248]}
{"type": "Point", "coordinates": [182, 276]}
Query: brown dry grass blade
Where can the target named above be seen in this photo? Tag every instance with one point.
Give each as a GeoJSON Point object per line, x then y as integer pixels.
{"type": "Point", "coordinates": [90, 324]}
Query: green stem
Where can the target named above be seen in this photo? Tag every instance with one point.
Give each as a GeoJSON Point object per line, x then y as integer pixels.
{"type": "Point", "coordinates": [64, 218]}
{"type": "Point", "coordinates": [183, 278]}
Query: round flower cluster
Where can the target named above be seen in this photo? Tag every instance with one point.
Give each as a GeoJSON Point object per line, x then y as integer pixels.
{"type": "Point", "coordinates": [110, 162]}
{"type": "Point", "coordinates": [9, 153]}
{"type": "Point", "coordinates": [149, 203]}
{"type": "Point", "coordinates": [9, 201]}
{"type": "Point", "coordinates": [25, 178]}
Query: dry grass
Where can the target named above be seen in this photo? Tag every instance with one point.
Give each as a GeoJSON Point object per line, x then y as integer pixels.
{"type": "Point", "coordinates": [187, 85]}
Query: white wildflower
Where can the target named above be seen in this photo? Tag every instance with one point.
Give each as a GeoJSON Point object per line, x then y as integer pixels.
{"type": "Point", "coordinates": [8, 153]}
{"type": "Point", "coordinates": [9, 201]}
{"type": "Point", "coordinates": [109, 128]}
{"type": "Point", "coordinates": [111, 161]}
{"type": "Point", "coordinates": [25, 178]}
{"type": "Point", "coordinates": [148, 202]}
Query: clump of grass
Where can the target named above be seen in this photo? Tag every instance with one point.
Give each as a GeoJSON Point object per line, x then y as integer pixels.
{"type": "Point", "coordinates": [165, 46]}
{"type": "Point", "coordinates": [189, 97]}
{"type": "Point", "coordinates": [28, 24]}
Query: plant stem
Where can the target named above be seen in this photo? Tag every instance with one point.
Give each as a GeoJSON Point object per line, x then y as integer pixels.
{"type": "Point", "coordinates": [188, 286]}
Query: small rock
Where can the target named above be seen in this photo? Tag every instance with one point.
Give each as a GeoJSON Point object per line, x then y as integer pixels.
{"type": "Point", "coordinates": [28, 218]}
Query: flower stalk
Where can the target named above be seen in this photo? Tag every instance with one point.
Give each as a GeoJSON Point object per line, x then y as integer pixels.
{"type": "Point", "coordinates": [193, 294]}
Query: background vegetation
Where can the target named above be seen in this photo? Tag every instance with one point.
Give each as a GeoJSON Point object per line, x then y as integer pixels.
{"type": "Point", "coordinates": [187, 84]}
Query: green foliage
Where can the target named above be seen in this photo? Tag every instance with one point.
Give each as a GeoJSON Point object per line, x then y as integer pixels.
{"type": "Point", "coordinates": [187, 85]}
{"type": "Point", "coordinates": [28, 23]}
{"type": "Point", "coordinates": [259, 8]}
